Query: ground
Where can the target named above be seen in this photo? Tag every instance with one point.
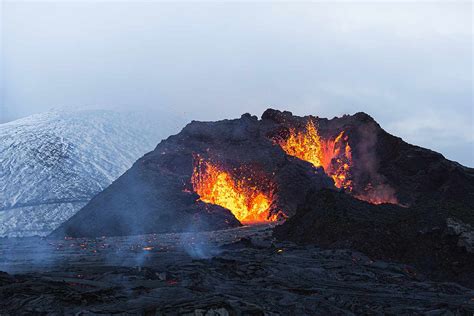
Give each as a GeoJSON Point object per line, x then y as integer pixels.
{"type": "Point", "coordinates": [240, 271]}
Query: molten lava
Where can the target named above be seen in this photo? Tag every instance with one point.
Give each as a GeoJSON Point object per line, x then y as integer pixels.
{"type": "Point", "coordinates": [334, 155]}
{"type": "Point", "coordinates": [243, 195]}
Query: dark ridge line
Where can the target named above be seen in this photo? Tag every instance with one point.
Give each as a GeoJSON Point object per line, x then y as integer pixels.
{"type": "Point", "coordinates": [20, 205]}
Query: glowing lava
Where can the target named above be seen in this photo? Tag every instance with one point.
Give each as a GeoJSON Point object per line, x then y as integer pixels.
{"type": "Point", "coordinates": [334, 155]}
{"type": "Point", "coordinates": [240, 195]}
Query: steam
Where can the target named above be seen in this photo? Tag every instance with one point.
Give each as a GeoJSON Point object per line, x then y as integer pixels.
{"type": "Point", "coordinates": [19, 254]}
{"type": "Point", "coordinates": [198, 245]}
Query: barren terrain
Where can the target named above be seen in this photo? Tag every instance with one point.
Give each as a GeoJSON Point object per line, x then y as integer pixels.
{"type": "Point", "coordinates": [239, 271]}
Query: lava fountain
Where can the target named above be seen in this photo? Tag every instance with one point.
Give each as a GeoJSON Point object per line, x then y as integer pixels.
{"type": "Point", "coordinates": [333, 155]}
{"type": "Point", "coordinates": [246, 193]}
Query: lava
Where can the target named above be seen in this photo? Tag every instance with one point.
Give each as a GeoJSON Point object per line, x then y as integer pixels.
{"type": "Point", "coordinates": [333, 155]}
{"type": "Point", "coordinates": [247, 196]}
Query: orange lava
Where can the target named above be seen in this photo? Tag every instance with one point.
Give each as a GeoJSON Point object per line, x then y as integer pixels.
{"type": "Point", "coordinates": [242, 195]}
{"type": "Point", "coordinates": [334, 155]}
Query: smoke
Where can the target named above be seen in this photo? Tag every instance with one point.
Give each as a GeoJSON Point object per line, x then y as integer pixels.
{"type": "Point", "coordinates": [131, 251]}
{"type": "Point", "coordinates": [375, 187]}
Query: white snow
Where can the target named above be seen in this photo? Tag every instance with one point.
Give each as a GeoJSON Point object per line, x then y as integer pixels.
{"type": "Point", "coordinates": [52, 164]}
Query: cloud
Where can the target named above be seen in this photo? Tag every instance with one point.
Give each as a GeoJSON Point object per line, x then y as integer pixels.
{"type": "Point", "coordinates": [396, 61]}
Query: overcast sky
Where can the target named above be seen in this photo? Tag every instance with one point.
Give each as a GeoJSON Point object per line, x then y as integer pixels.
{"type": "Point", "coordinates": [409, 65]}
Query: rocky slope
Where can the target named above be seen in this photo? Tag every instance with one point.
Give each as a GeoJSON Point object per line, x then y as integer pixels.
{"type": "Point", "coordinates": [51, 164]}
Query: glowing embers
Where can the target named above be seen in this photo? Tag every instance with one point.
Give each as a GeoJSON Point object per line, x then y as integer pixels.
{"type": "Point", "coordinates": [379, 194]}
{"type": "Point", "coordinates": [334, 155]}
{"type": "Point", "coordinates": [246, 193]}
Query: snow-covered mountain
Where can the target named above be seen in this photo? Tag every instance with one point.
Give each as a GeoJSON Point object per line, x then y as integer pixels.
{"type": "Point", "coordinates": [52, 164]}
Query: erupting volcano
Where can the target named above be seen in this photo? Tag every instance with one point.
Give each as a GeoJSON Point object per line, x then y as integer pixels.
{"type": "Point", "coordinates": [243, 196]}
{"type": "Point", "coordinates": [334, 155]}
{"type": "Point", "coordinates": [214, 175]}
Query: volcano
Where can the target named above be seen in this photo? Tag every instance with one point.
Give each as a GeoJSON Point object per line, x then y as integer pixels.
{"type": "Point", "coordinates": [214, 175]}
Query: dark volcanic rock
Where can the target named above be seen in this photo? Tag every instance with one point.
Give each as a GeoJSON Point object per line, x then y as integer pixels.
{"type": "Point", "coordinates": [419, 235]}
{"type": "Point", "coordinates": [156, 194]}
{"type": "Point", "coordinates": [251, 274]}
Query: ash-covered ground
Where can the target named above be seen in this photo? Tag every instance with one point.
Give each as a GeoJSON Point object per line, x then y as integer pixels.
{"type": "Point", "coordinates": [239, 271]}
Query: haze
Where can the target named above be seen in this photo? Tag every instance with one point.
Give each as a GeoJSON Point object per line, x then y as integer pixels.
{"type": "Point", "coordinates": [409, 65]}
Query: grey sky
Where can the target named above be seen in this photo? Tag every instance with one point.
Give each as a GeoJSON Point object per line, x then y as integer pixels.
{"type": "Point", "coordinates": [409, 65]}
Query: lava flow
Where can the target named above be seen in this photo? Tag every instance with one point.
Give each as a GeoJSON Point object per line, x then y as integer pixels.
{"type": "Point", "coordinates": [241, 195]}
{"type": "Point", "coordinates": [333, 155]}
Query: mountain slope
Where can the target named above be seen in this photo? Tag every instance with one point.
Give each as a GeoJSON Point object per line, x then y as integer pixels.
{"type": "Point", "coordinates": [52, 164]}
